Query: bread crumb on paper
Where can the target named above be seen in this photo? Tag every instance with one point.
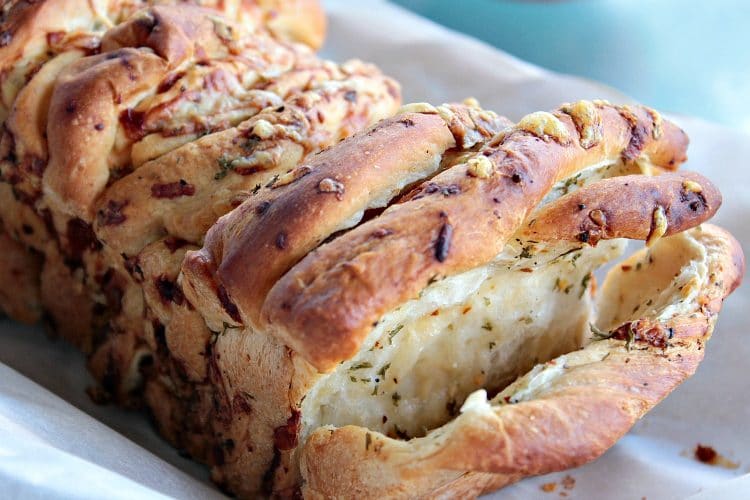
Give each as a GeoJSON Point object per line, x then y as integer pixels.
{"type": "Point", "coordinates": [708, 455]}
{"type": "Point", "coordinates": [548, 487]}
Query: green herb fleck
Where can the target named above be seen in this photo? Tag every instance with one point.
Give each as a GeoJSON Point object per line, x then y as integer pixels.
{"type": "Point", "coordinates": [570, 182]}
{"type": "Point", "coordinates": [600, 334]}
{"type": "Point", "coordinates": [492, 345]}
{"type": "Point", "coordinates": [631, 337]}
{"type": "Point", "coordinates": [368, 441]}
{"type": "Point", "coordinates": [360, 366]}
{"type": "Point", "coordinates": [375, 390]}
{"type": "Point", "coordinates": [487, 326]}
{"type": "Point", "coordinates": [487, 301]}
{"type": "Point", "coordinates": [225, 166]}
{"type": "Point", "coordinates": [393, 333]}
{"type": "Point", "coordinates": [584, 285]}
{"type": "Point", "coordinates": [352, 378]}
{"type": "Point", "coordinates": [251, 143]}
{"type": "Point", "coordinates": [396, 397]}
{"type": "Point", "coordinates": [272, 181]}
{"type": "Point", "coordinates": [638, 266]}
{"type": "Point", "coordinates": [526, 252]}
{"type": "Point", "coordinates": [383, 369]}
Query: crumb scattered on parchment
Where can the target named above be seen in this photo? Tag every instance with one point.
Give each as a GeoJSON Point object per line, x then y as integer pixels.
{"type": "Point", "coordinates": [568, 482]}
{"type": "Point", "coordinates": [548, 487]}
{"type": "Point", "coordinates": [708, 455]}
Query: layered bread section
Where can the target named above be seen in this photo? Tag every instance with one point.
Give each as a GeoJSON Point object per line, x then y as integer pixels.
{"type": "Point", "coordinates": [344, 244]}
{"type": "Point", "coordinates": [459, 220]}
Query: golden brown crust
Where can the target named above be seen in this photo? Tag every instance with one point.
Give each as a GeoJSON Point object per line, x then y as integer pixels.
{"type": "Point", "coordinates": [325, 306]}
{"type": "Point", "coordinates": [82, 131]}
{"type": "Point", "coordinates": [624, 207]}
{"type": "Point", "coordinates": [613, 382]}
{"type": "Point", "coordinates": [156, 86]}
{"type": "Point", "coordinates": [220, 170]}
{"type": "Point", "coordinates": [329, 193]}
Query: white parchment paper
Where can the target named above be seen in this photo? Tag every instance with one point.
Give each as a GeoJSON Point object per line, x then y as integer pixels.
{"type": "Point", "coordinates": [55, 443]}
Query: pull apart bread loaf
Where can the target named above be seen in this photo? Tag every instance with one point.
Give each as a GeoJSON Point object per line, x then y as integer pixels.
{"type": "Point", "coordinates": [413, 311]}
{"type": "Point", "coordinates": [317, 296]}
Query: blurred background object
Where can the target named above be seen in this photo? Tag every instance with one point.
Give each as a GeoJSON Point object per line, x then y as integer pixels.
{"type": "Point", "coordinates": [683, 56]}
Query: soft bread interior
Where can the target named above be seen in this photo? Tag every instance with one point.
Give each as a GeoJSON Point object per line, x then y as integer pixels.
{"type": "Point", "coordinates": [657, 283]}
{"type": "Point", "coordinates": [479, 329]}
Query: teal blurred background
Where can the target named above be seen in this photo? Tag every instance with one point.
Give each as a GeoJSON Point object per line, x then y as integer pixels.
{"type": "Point", "coordinates": [682, 56]}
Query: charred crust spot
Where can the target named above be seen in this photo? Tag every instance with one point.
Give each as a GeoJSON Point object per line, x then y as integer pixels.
{"type": "Point", "coordinates": [450, 190]}
{"type": "Point", "coordinates": [350, 96]}
{"type": "Point", "coordinates": [581, 206]}
{"type": "Point", "coordinates": [99, 127]}
{"type": "Point", "coordinates": [173, 243]}
{"type": "Point", "coordinates": [406, 122]}
{"type": "Point", "coordinates": [584, 236]}
{"type": "Point", "coordinates": [112, 215]}
{"type": "Point", "coordinates": [637, 142]}
{"type": "Point", "coordinates": [262, 207]}
{"type": "Point", "coordinates": [229, 307]}
{"type": "Point", "coordinates": [173, 189]}
{"type": "Point", "coordinates": [168, 290]}
{"type": "Point", "coordinates": [281, 240]}
{"type": "Point", "coordinates": [443, 242]}
{"type": "Point", "coordinates": [516, 177]}
{"type": "Point", "coordinates": [285, 436]}
{"type": "Point", "coordinates": [71, 106]}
